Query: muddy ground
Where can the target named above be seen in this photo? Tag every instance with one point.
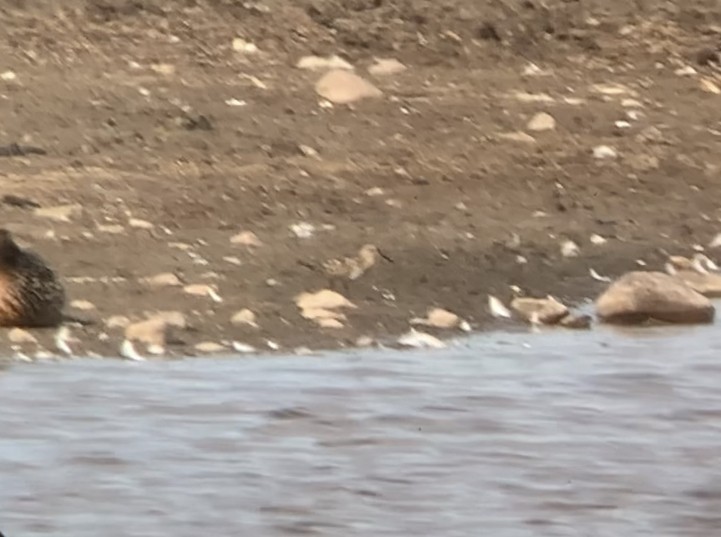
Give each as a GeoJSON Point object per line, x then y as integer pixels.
{"type": "Point", "coordinates": [130, 101]}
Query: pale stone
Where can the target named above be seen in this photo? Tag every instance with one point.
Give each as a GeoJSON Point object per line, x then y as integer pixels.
{"type": "Point", "coordinates": [542, 122]}
{"type": "Point", "coordinates": [330, 323]}
{"type": "Point", "coordinates": [20, 336]}
{"type": "Point", "coordinates": [344, 87]}
{"type": "Point", "coordinates": [319, 63]}
{"type": "Point", "coordinates": [140, 224]}
{"type": "Point", "coordinates": [386, 67]}
{"type": "Point", "coordinates": [246, 238]}
{"type": "Point", "coordinates": [570, 249]}
{"type": "Point", "coordinates": [209, 347]}
{"type": "Point", "coordinates": [164, 279]}
{"type": "Point", "coordinates": [438, 318]}
{"type": "Point", "coordinates": [166, 69]}
{"type": "Point", "coordinates": [173, 318]}
{"type": "Point", "coordinates": [150, 332]}
{"type": "Point", "coordinates": [539, 310]}
{"type": "Point", "coordinates": [709, 86]}
{"type": "Point", "coordinates": [117, 321]}
{"type": "Point", "coordinates": [60, 213]}
{"type": "Point", "coordinates": [318, 314]}
{"type": "Point", "coordinates": [420, 340]}
{"type": "Point", "coordinates": [246, 47]}
{"type": "Point", "coordinates": [201, 289]}
{"type": "Point", "coordinates": [604, 152]}
{"type": "Point", "coordinates": [323, 299]}
{"type": "Point", "coordinates": [83, 305]}
{"type": "Point", "coordinates": [639, 296]}
{"type": "Point", "coordinates": [244, 317]}
{"type": "Point", "coordinates": [113, 229]}
{"type": "Point", "coordinates": [521, 137]}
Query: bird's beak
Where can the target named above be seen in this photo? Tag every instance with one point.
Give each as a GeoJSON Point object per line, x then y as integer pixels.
{"type": "Point", "coordinates": [384, 256]}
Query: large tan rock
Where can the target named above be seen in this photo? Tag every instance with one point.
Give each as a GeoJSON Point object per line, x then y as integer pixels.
{"type": "Point", "coordinates": [639, 296]}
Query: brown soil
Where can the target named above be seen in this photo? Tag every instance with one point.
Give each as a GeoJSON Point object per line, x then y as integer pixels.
{"type": "Point", "coordinates": [128, 97]}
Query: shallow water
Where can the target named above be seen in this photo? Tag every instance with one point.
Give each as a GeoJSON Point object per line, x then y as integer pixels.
{"type": "Point", "coordinates": [561, 434]}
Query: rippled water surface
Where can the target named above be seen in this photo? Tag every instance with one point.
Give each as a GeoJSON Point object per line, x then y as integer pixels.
{"type": "Point", "coordinates": [564, 434]}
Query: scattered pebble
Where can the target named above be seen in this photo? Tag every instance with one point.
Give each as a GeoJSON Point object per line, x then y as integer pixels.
{"type": "Point", "coordinates": [113, 229]}
{"type": "Point", "coordinates": [140, 224]}
{"type": "Point", "coordinates": [364, 341]}
{"type": "Point", "coordinates": [173, 318]}
{"type": "Point", "coordinates": [164, 279]}
{"type": "Point", "coordinates": [386, 67]}
{"type": "Point", "coordinates": [127, 351]}
{"type": "Point", "coordinates": [62, 340]}
{"type": "Point", "coordinates": [598, 239]}
{"type": "Point", "coordinates": [319, 63]}
{"type": "Point", "coordinates": [542, 122]}
{"type": "Point", "coordinates": [420, 340]}
{"type": "Point", "coordinates": [521, 137]}
{"type": "Point", "coordinates": [327, 322]}
{"type": "Point", "coordinates": [604, 152]}
{"type": "Point", "coordinates": [236, 102]}
{"type": "Point", "coordinates": [209, 347]}
{"type": "Point", "coordinates": [201, 289]}
{"type": "Point", "coordinates": [303, 230]}
{"type": "Point", "coordinates": [246, 47]}
{"type": "Point", "coordinates": [83, 305]}
{"type": "Point", "coordinates": [686, 70]}
{"type": "Point", "coordinates": [150, 332]}
{"type": "Point", "coordinates": [117, 321]}
{"type": "Point", "coordinates": [308, 151]}
{"type": "Point", "coordinates": [244, 317]}
{"type": "Point", "coordinates": [19, 336]}
{"type": "Point", "coordinates": [439, 318]}
{"type": "Point", "coordinates": [531, 69]}
{"type": "Point", "coordinates": [540, 310]}
{"type": "Point", "coordinates": [611, 89]}
{"type": "Point", "coordinates": [242, 348]}
{"type": "Point", "coordinates": [60, 213]}
{"type": "Point", "coordinates": [321, 307]}
{"type": "Point", "coordinates": [246, 238]}
{"type": "Point", "coordinates": [525, 97]}
{"type": "Point", "coordinates": [497, 308]}
{"type": "Point", "coordinates": [570, 249]}
{"type": "Point", "coordinates": [343, 87]}
{"type": "Point", "coordinates": [596, 276]}
{"type": "Point", "coordinates": [709, 86]}
{"type": "Point", "coordinates": [166, 69]}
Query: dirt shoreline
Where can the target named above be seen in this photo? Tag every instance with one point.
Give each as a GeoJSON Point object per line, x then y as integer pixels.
{"type": "Point", "coordinates": [131, 102]}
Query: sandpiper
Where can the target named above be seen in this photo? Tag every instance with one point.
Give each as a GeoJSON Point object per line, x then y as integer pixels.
{"type": "Point", "coordinates": [352, 268]}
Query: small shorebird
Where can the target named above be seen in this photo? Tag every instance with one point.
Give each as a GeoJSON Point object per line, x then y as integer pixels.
{"type": "Point", "coordinates": [352, 268]}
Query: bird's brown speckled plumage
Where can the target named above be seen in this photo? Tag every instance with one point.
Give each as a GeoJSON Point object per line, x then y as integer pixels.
{"type": "Point", "coordinates": [30, 293]}
{"type": "Point", "coordinates": [354, 267]}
